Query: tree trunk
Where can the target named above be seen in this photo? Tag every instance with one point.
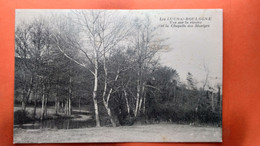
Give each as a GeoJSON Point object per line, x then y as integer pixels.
{"type": "Point", "coordinates": [26, 95]}
{"type": "Point", "coordinates": [219, 103]}
{"type": "Point", "coordinates": [35, 105]}
{"type": "Point", "coordinates": [70, 108]}
{"type": "Point", "coordinates": [42, 110]}
{"type": "Point", "coordinates": [25, 99]}
{"type": "Point", "coordinates": [127, 103]}
{"type": "Point", "coordinates": [174, 94]}
{"type": "Point", "coordinates": [109, 114]}
{"type": "Point", "coordinates": [62, 107]}
{"type": "Point", "coordinates": [66, 107]}
{"type": "Point", "coordinates": [140, 105]}
{"type": "Point", "coordinates": [142, 99]}
{"type": "Point", "coordinates": [144, 104]}
{"type": "Point", "coordinates": [212, 102]}
{"type": "Point", "coordinates": [79, 104]}
{"type": "Point", "coordinates": [182, 98]}
{"type": "Point", "coordinates": [23, 105]}
{"type": "Point", "coordinates": [137, 98]}
{"type": "Point", "coordinates": [196, 110]}
{"type": "Point", "coordinates": [70, 93]}
{"type": "Point", "coordinates": [45, 106]}
{"type": "Point", "coordinates": [105, 102]}
{"type": "Point", "coordinates": [95, 94]}
{"type": "Point", "coordinates": [56, 105]}
{"type": "Point", "coordinates": [106, 99]}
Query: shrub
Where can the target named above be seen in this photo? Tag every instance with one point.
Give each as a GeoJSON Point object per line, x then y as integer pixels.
{"type": "Point", "coordinates": [21, 117]}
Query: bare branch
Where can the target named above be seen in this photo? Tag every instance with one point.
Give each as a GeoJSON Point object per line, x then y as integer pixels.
{"type": "Point", "coordinates": [58, 45]}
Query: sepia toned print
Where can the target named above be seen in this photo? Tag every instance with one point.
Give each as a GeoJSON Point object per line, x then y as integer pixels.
{"type": "Point", "coordinates": [118, 76]}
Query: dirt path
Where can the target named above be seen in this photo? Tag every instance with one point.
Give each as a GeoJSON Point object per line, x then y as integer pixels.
{"type": "Point", "coordinates": [143, 133]}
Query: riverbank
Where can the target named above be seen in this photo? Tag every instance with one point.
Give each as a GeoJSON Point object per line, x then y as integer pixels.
{"type": "Point", "coordinates": [77, 114]}
{"type": "Point", "coordinates": [78, 119]}
{"type": "Point", "coordinates": [139, 133]}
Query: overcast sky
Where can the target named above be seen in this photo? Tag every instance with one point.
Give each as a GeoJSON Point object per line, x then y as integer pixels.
{"type": "Point", "coordinates": [190, 49]}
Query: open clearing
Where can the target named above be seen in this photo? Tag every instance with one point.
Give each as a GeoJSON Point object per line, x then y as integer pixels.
{"type": "Point", "coordinates": [141, 133]}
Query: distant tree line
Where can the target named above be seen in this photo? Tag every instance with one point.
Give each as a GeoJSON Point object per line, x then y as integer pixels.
{"type": "Point", "coordinates": [112, 65]}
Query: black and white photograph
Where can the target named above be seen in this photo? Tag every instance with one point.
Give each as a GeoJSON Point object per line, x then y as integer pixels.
{"type": "Point", "coordinates": [97, 75]}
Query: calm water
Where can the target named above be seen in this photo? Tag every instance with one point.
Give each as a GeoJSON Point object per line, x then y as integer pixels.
{"type": "Point", "coordinates": [58, 124]}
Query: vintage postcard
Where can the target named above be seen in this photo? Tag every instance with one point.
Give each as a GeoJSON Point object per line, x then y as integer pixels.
{"type": "Point", "coordinates": [118, 76]}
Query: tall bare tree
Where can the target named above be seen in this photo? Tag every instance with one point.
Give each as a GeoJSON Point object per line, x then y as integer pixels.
{"type": "Point", "coordinates": [146, 44]}
{"type": "Point", "coordinates": [22, 52]}
{"type": "Point", "coordinates": [99, 35]}
{"type": "Point", "coordinates": [32, 44]}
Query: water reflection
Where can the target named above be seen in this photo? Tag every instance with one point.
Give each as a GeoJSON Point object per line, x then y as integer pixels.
{"type": "Point", "coordinates": [58, 124]}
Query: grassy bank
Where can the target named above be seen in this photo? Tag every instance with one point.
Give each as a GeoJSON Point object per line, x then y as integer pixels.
{"type": "Point", "coordinates": [142, 133]}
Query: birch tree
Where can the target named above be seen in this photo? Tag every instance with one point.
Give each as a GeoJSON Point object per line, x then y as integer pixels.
{"type": "Point", "coordinates": [146, 44]}
{"type": "Point", "coordinates": [98, 36]}
{"type": "Point", "coordinates": [32, 43]}
{"type": "Point", "coordinates": [41, 42]}
{"type": "Point", "coordinates": [23, 54]}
